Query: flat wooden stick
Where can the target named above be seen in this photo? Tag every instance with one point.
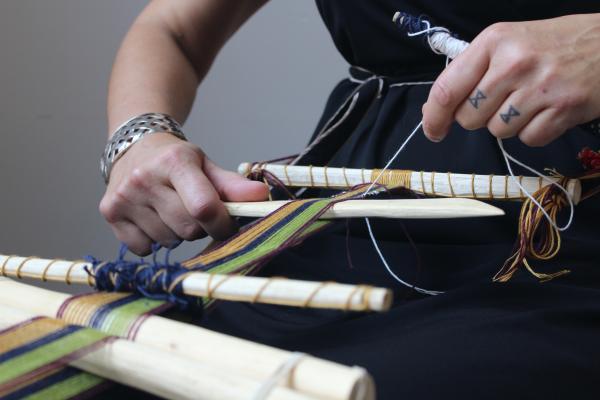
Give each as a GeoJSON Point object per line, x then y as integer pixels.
{"type": "Point", "coordinates": [159, 372]}
{"type": "Point", "coordinates": [290, 292]}
{"type": "Point", "coordinates": [392, 208]}
{"type": "Point", "coordinates": [312, 376]}
{"type": "Point", "coordinates": [444, 184]}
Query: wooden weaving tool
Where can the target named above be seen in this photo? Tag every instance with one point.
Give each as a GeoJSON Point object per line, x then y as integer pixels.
{"type": "Point", "coordinates": [444, 184]}
{"type": "Point", "coordinates": [310, 376]}
{"type": "Point", "coordinates": [290, 292]}
{"type": "Point", "coordinates": [133, 364]}
{"type": "Point", "coordinates": [391, 208]}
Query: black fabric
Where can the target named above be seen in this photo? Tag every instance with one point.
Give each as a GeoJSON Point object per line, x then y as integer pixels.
{"type": "Point", "coordinates": [364, 34]}
{"type": "Point", "coordinates": [521, 339]}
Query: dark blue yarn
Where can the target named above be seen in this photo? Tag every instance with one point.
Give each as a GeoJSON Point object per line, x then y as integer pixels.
{"type": "Point", "coordinates": [128, 277]}
{"type": "Point", "coordinates": [410, 23]}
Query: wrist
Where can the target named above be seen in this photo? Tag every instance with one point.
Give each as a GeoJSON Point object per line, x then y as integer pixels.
{"type": "Point", "coordinates": [131, 131]}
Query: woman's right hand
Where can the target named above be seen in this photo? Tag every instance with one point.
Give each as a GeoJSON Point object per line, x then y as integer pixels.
{"type": "Point", "coordinates": [165, 189]}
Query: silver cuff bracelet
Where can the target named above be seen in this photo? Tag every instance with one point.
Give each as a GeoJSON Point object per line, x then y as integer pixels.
{"type": "Point", "coordinates": [133, 130]}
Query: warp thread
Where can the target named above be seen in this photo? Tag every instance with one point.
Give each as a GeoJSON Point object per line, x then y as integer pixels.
{"type": "Point", "coordinates": [537, 239]}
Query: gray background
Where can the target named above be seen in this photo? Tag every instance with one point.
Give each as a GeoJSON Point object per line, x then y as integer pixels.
{"type": "Point", "coordinates": [261, 100]}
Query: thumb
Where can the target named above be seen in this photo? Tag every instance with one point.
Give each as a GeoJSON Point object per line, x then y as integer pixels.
{"type": "Point", "coordinates": [234, 187]}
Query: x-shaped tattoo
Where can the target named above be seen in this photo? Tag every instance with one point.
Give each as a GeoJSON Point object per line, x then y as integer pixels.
{"type": "Point", "coordinates": [477, 98]}
{"type": "Point", "coordinates": [512, 112]}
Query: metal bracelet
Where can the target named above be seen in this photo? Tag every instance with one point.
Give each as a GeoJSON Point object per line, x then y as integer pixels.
{"type": "Point", "coordinates": [133, 130]}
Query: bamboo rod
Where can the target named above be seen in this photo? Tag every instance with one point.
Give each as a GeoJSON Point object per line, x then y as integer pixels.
{"type": "Point", "coordinates": [445, 184]}
{"type": "Point", "coordinates": [312, 376]}
{"type": "Point", "coordinates": [290, 292]}
{"type": "Point", "coordinates": [393, 208]}
{"type": "Point", "coordinates": [158, 372]}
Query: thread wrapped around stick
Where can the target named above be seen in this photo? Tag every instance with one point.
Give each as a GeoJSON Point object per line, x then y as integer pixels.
{"type": "Point", "coordinates": [233, 287]}
{"type": "Point", "coordinates": [431, 183]}
{"type": "Point", "coordinates": [439, 38]}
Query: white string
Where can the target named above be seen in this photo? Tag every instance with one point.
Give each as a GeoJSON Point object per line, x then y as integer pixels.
{"type": "Point", "coordinates": [389, 270]}
{"type": "Point", "coordinates": [370, 188]}
{"type": "Point", "coordinates": [508, 157]}
{"type": "Point", "coordinates": [282, 372]}
{"type": "Point", "coordinates": [400, 84]}
{"type": "Point", "coordinates": [372, 235]}
{"type": "Point", "coordinates": [441, 41]}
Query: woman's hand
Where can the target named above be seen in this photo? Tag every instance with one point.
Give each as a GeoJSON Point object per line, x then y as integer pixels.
{"type": "Point", "coordinates": [533, 79]}
{"type": "Point", "coordinates": [164, 189]}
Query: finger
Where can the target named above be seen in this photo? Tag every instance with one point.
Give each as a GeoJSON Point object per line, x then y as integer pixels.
{"type": "Point", "coordinates": [148, 220]}
{"type": "Point", "coordinates": [116, 209]}
{"type": "Point", "coordinates": [484, 101]}
{"type": "Point", "coordinates": [451, 88]}
{"type": "Point", "coordinates": [234, 187]}
{"type": "Point", "coordinates": [202, 201]}
{"type": "Point", "coordinates": [173, 213]}
{"type": "Point", "coordinates": [514, 114]}
{"type": "Point", "coordinates": [135, 239]}
{"type": "Point", "coordinates": [543, 128]}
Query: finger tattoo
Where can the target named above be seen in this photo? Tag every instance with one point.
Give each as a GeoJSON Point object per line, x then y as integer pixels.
{"type": "Point", "coordinates": [477, 98]}
{"type": "Point", "coordinates": [512, 112]}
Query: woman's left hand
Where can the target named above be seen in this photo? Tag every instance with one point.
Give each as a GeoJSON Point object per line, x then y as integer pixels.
{"type": "Point", "coordinates": [533, 79]}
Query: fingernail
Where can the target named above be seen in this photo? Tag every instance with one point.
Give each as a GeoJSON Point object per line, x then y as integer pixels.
{"type": "Point", "coordinates": [434, 138]}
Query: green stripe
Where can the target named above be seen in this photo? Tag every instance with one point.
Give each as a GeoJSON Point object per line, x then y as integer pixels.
{"type": "Point", "coordinates": [275, 240]}
{"type": "Point", "coordinates": [313, 227]}
{"type": "Point", "coordinates": [119, 320]}
{"type": "Point", "coordinates": [68, 388]}
{"type": "Point", "coordinates": [48, 353]}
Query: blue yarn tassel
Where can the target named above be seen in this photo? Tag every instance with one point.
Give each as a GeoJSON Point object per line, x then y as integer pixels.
{"type": "Point", "coordinates": [149, 279]}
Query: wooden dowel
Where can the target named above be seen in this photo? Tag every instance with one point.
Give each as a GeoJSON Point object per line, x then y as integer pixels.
{"type": "Point", "coordinates": [280, 291]}
{"type": "Point", "coordinates": [159, 372]}
{"type": "Point", "coordinates": [393, 208]}
{"type": "Point", "coordinates": [312, 376]}
{"type": "Point", "coordinates": [444, 184]}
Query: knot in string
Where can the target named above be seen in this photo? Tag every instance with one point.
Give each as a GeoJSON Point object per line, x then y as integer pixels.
{"type": "Point", "coordinates": [158, 280]}
{"type": "Point", "coordinates": [257, 172]}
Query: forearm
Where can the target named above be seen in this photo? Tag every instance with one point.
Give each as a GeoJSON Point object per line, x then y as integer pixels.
{"type": "Point", "coordinates": [166, 54]}
{"type": "Point", "coordinates": [150, 75]}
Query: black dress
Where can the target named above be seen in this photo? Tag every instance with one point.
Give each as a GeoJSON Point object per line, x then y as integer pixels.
{"type": "Point", "coordinates": [520, 339]}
